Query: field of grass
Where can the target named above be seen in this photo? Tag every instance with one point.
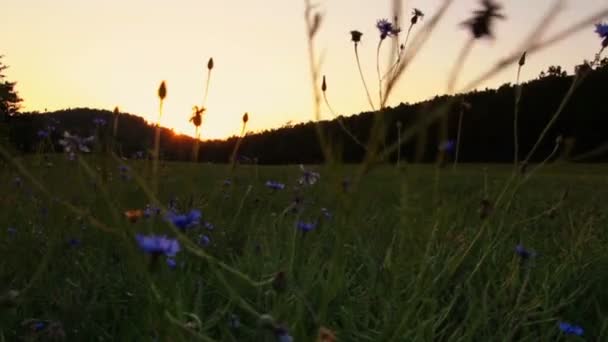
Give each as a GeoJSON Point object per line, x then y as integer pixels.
{"type": "Point", "coordinates": [410, 254]}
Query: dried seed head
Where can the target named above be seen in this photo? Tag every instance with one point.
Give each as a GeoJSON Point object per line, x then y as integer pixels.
{"type": "Point", "coordinates": [324, 85]}
{"type": "Point", "coordinates": [356, 36]}
{"type": "Point", "coordinates": [245, 118]}
{"type": "Point", "coordinates": [522, 59]}
{"type": "Point", "coordinates": [162, 91]}
{"type": "Point", "coordinates": [210, 64]}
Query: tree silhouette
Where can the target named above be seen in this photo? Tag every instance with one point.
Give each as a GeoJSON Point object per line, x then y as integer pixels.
{"type": "Point", "coordinates": [9, 99]}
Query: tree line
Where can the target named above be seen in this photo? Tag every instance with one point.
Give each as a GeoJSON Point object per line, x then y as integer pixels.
{"type": "Point", "coordinates": [485, 118]}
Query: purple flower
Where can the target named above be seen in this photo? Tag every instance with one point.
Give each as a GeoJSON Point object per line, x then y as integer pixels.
{"type": "Point", "coordinates": [447, 146]}
{"type": "Point", "coordinates": [43, 134]}
{"type": "Point", "coordinates": [158, 244]}
{"type": "Point", "coordinates": [73, 143]}
{"type": "Point", "coordinates": [149, 211]}
{"type": "Point", "coordinates": [306, 226]}
{"type": "Point", "coordinates": [386, 28]}
{"type": "Point", "coordinates": [524, 253]}
{"type": "Point", "coordinates": [275, 185]}
{"type": "Point", "coordinates": [204, 240]}
{"type": "Point", "coordinates": [99, 122]}
{"type": "Point", "coordinates": [308, 177]}
{"type": "Point", "coordinates": [184, 221]}
{"type": "Point", "coordinates": [282, 335]}
{"type": "Point", "coordinates": [39, 326]}
{"type": "Point", "coordinates": [570, 329]}
{"type": "Point", "coordinates": [602, 31]}
{"type": "Point", "coordinates": [171, 263]}
{"type": "Point", "coordinates": [74, 242]}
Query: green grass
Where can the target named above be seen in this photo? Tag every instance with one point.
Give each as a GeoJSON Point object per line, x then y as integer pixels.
{"type": "Point", "coordinates": [405, 257]}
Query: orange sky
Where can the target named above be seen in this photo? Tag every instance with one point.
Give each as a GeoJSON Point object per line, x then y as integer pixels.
{"type": "Point", "coordinates": [102, 54]}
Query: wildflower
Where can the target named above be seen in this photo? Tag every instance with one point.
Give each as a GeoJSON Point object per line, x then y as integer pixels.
{"type": "Point", "coordinates": [134, 215]}
{"type": "Point", "coordinates": [204, 240]}
{"type": "Point", "coordinates": [171, 263]}
{"type": "Point", "coordinates": [602, 31]}
{"type": "Point", "coordinates": [157, 245]}
{"type": "Point", "coordinates": [43, 133]}
{"type": "Point", "coordinates": [73, 143]}
{"type": "Point", "coordinates": [416, 14]}
{"type": "Point", "coordinates": [524, 253]}
{"type": "Point", "coordinates": [245, 118]}
{"type": "Point", "coordinates": [570, 329]}
{"type": "Point", "coordinates": [275, 185]}
{"type": "Point", "coordinates": [306, 226]}
{"type": "Point", "coordinates": [447, 146]}
{"type": "Point", "coordinates": [74, 242]}
{"type": "Point", "coordinates": [149, 211]}
{"type": "Point", "coordinates": [355, 36]}
{"type": "Point", "coordinates": [39, 326]}
{"type": "Point", "coordinates": [386, 29]}
{"type": "Point", "coordinates": [210, 64]}
{"type": "Point", "coordinates": [481, 22]}
{"type": "Point", "coordinates": [184, 221]}
{"type": "Point", "coordinates": [282, 335]}
{"type": "Point", "coordinates": [99, 122]}
{"type": "Point", "coordinates": [308, 177]}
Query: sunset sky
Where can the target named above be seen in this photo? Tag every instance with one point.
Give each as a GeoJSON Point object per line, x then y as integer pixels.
{"type": "Point", "coordinates": [102, 54]}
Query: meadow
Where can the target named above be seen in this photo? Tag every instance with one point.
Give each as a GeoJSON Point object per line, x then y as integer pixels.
{"type": "Point", "coordinates": [415, 253]}
{"type": "Point", "coordinates": [101, 245]}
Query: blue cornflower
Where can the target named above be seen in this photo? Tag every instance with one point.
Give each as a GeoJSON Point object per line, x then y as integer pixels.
{"type": "Point", "coordinates": [39, 326]}
{"type": "Point", "coordinates": [306, 226]}
{"type": "Point", "coordinates": [602, 31]}
{"type": "Point", "coordinates": [282, 335]}
{"type": "Point", "coordinates": [43, 133]}
{"type": "Point", "coordinates": [171, 263]}
{"type": "Point", "coordinates": [386, 28]}
{"type": "Point", "coordinates": [204, 240]}
{"type": "Point", "coordinates": [149, 211]}
{"type": "Point", "coordinates": [570, 329]}
{"type": "Point", "coordinates": [158, 244]}
{"type": "Point", "coordinates": [447, 146]}
{"type": "Point", "coordinates": [99, 122]}
{"type": "Point", "coordinates": [185, 221]}
{"type": "Point", "coordinates": [524, 253]}
{"type": "Point", "coordinates": [275, 185]}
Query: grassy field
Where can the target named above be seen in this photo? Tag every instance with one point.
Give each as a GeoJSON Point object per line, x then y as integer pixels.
{"type": "Point", "coordinates": [410, 254]}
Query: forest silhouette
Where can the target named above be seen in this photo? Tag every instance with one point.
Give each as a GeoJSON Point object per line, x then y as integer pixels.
{"type": "Point", "coordinates": [486, 136]}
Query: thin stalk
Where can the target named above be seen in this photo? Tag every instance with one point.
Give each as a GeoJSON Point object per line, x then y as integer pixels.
{"type": "Point", "coordinates": [515, 121]}
{"type": "Point", "coordinates": [157, 150]}
{"type": "Point", "coordinates": [341, 123]}
{"type": "Point", "coordinates": [378, 72]}
{"type": "Point", "coordinates": [369, 98]}
{"type": "Point", "coordinates": [458, 135]}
